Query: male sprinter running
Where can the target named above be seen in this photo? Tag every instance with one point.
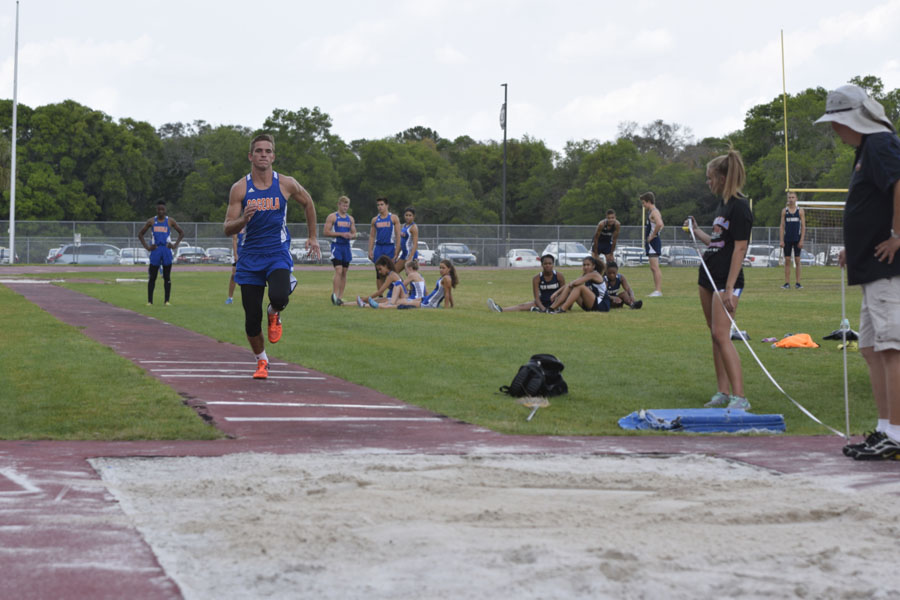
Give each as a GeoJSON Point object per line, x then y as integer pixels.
{"type": "Point", "coordinates": [257, 204]}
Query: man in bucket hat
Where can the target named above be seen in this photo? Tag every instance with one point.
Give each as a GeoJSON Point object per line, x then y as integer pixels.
{"type": "Point", "coordinates": [872, 238]}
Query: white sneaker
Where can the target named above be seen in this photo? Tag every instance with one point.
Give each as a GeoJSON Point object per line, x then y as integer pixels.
{"type": "Point", "coordinates": [494, 306]}
{"type": "Point", "coordinates": [654, 294]}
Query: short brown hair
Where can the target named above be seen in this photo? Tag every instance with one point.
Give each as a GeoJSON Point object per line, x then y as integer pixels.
{"type": "Point", "coordinates": [263, 137]}
{"type": "Point", "coordinates": [648, 197]}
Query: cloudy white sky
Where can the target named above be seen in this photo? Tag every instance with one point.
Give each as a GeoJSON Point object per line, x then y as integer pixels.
{"type": "Point", "coordinates": [575, 68]}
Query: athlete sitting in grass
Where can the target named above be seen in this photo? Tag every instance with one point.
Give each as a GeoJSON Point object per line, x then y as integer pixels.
{"type": "Point", "coordinates": [442, 292]}
{"type": "Point", "coordinates": [542, 286]}
{"type": "Point", "coordinates": [620, 293]}
{"type": "Point", "coordinates": [414, 282]}
{"type": "Point", "coordinates": [588, 291]}
{"type": "Point", "coordinates": [390, 283]}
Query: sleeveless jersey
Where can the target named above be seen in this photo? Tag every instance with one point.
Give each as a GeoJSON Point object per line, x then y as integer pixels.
{"type": "Point", "coordinates": [416, 289]}
{"type": "Point", "coordinates": [613, 286]}
{"type": "Point", "coordinates": [649, 228]}
{"type": "Point", "coordinates": [341, 225]}
{"type": "Point", "coordinates": [161, 232]}
{"type": "Point", "coordinates": [267, 230]}
{"type": "Point", "coordinates": [792, 226]}
{"type": "Point", "coordinates": [547, 288]}
{"type": "Point", "coordinates": [599, 289]}
{"type": "Point", "coordinates": [405, 240]}
{"type": "Point", "coordinates": [434, 299]}
{"type": "Point", "coordinates": [384, 231]}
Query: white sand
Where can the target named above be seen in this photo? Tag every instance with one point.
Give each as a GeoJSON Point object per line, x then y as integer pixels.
{"type": "Point", "coordinates": [376, 526]}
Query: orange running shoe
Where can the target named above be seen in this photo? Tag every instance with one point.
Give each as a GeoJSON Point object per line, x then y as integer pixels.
{"type": "Point", "coordinates": [262, 369]}
{"type": "Point", "coordinates": [274, 328]}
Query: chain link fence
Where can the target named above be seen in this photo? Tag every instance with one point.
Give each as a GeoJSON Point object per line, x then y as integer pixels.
{"type": "Point", "coordinates": [490, 243]}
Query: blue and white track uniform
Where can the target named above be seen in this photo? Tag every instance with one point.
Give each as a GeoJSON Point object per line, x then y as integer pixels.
{"type": "Point", "coordinates": [434, 299]}
{"type": "Point", "coordinates": [162, 255]}
{"type": "Point", "coordinates": [602, 302]}
{"type": "Point", "coordinates": [340, 246]}
{"type": "Point", "coordinates": [405, 241]}
{"type": "Point", "coordinates": [267, 243]}
{"type": "Point", "coordinates": [416, 289]}
{"type": "Point", "coordinates": [384, 238]}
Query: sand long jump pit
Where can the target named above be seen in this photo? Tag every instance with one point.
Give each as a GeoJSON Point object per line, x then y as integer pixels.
{"type": "Point", "coordinates": [362, 525]}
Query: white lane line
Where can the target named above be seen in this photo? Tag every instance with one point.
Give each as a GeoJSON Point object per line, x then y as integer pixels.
{"type": "Point", "coordinates": [202, 376]}
{"type": "Point", "coordinates": [303, 404]}
{"type": "Point", "coordinates": [332, 419]}
{"type": "Point", "coordinates": [30, 280]}
{"type": "Point", "coordinates": [207, 370]}
{"type": "Point", "coordinates": [21, 481]}
{"type": "Point", "coordinates": [208, 362]}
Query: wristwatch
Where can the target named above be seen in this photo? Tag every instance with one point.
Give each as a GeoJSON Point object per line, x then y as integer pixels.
{"type": "Point", "coordinates": [894, 235]}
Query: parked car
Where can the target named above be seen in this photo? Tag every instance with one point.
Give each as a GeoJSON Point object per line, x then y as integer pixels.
{"type": "Point", "coordinates": [758, 256]}
{"type": "Point", "coordinates": [51, 254]}
{"type": "Point", "coordinates": [301, 255]}
{"type": "Point", "coordinates": [459, 254]}
{"type": "Point", "coordinates": [87, 254]}
{"type": "Point", "coordinates": [523, 258]}
{"type": "Point", "coordinates": [630, 256]}
{"type": "Point", "coordinates": [777, 258]}
{"type": "Point", "coordinates": [4, 256]}
{"type": "Point", "coordinates": [833, 255]}
{"type": "Point", "coordinates": [360, 257]}
{"type": "Point", "coordinates": [134, 256]}
{"type": "Point", "coordinates": [567, 253]}
{"type": "Point", "coordinates": [425, 254]}
{"type": "Point", "coordinates": [191, 255]}
{"type": "Point", "coordinates": [679, 256]}
{"type": "Point", "coordinates": [219, 255]}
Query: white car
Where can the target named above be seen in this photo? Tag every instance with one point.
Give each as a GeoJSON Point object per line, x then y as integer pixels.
{"type": "Point", "coordinates": [759, 255]}
{"type": "Point", "coordinates": [425, 255]}
{"type": "Point", "coordinates": [567, 254]}
{"type": "Point", "coordinates": [630, 256]}
{"type": "Point", "coordinates": [134, 256]}
{"type": "Point", "coordinates": [360, 257]}
{"type": "Point", "coordinates": [523, 258]}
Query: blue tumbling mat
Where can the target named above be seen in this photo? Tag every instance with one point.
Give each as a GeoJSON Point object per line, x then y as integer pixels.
{"type": "Point", "coordinates": [703, 420]}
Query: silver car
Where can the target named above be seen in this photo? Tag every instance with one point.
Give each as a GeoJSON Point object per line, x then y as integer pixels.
{"type": "Point", "coordinates": [87, 254]}
{"type": "Point", "coordinates": [134, 256]}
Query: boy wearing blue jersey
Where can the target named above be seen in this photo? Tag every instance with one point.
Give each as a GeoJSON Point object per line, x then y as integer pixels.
{"type": "Point", "coordinates": [160, 249]}
{"type": "Point", "coordinates": [384, 238]}
{"type": "Point", "coordinates": [257, 204]}
{"type": "Point", "coordinates": [342, 227]}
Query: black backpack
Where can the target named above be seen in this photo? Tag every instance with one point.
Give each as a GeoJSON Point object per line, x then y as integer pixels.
{"type": "Point", "coordinates": [540, 376]}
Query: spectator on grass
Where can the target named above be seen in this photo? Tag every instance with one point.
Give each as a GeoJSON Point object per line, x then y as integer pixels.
{"type": "Point", "coordinates": [442, 292]}
{"type": "Point", "coordinates": [543, 285]}
{"type": "Point", "coordinates": [606, 236]}
{"type": "Point", "coordinates": [409, 240]}
{"type": "Point", "coordinates": [160, 249]}
{"type": "Point", "coordinates": [340, 226]}
{"type": "Point", "coordinates": [620, 293]}
{"type": "Point", "coordinates": [792, 232]}
{"type": "Point", "coordinates": [588, 291]}
{"type": "Point", "coordinates": [726, 247]}
{"type": "Point", "coordinates": [390, 283]}
{"type": "Point", "coordinates": [653, 245]}
{"type": "Point", "coordinates": [872, 238]}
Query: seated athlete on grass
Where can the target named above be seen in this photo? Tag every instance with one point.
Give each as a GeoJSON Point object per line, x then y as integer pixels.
{"type": "Point", "coordinates": [620, 293]}
{"type": "Point", "coordinates": [390, 283]}
{"type": "Point", "coordinates": [414, 282]}
{"type": "Point", "coordinates": [542, 286]}
{"type": "Point", "coordinates": [588, 291]}
{"type": "Point", "coordinates": [442, 292]}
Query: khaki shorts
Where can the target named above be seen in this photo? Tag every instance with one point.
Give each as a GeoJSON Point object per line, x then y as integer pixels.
{"type": "Point", "coordinates": [879, 315]}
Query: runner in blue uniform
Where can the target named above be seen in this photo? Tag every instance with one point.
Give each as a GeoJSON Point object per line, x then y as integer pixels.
{"type": "Point", "coordinates": [342, 227]}
{"type": "Point", "coordinates": [160, 249]}
{"type": "Point", "coordinates": [620, 293]}
{"type": "Point", "coordinates": [409, 240]}
{"type": "Point", "coordinates": [606, 237]}
{"type": "Point", "coordinates": [383, 238]}
{"type": "Point", "coordinates": [543, 286]}
{"type": "Point", "coordinates": [793, 232]}
{"type": "Point", "coordinates": [588, 291]}
{"type": "Point", "coordinates": [652, 245]}
{"type": "Point", "coordinates": [257, 204]}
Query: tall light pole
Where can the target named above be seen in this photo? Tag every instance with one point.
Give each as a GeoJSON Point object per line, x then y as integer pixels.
{"type": "Point", "coordinates": [13, 135]}
{"type": "Point", "coordinates": [503, 185]}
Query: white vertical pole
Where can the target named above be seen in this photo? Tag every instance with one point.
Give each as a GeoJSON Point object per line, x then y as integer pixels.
{"type": "Point", "coordinates": [14, 135]}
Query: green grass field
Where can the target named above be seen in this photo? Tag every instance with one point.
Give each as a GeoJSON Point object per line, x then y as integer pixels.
{"type": "Point", "coordinates": [453, 361]}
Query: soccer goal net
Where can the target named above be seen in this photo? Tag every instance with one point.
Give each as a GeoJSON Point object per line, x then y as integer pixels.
{"type": "Point", "coordinates": [824, 229]}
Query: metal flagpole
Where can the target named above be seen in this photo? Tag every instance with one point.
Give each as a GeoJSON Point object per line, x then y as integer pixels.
{"type": "Point", "coordinates": [503, 185]}
{"type": "Point", "coordinates": [14, 135]}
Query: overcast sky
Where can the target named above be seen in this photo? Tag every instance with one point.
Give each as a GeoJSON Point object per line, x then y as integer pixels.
{"type": "Point", "coordinates": [575, 69]}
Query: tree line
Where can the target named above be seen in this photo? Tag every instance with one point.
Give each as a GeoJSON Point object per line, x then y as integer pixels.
{"type": "Point", "coordinates": [76, 163]}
